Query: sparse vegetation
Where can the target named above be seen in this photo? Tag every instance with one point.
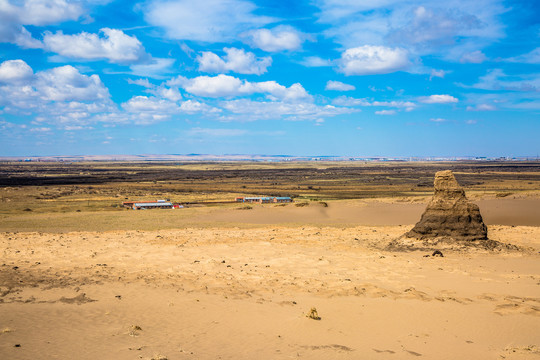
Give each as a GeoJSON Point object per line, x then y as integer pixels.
{"type": "Point", "coordinates": [55, 195]}
{"type": "Point", "coordinates": [247, 207]}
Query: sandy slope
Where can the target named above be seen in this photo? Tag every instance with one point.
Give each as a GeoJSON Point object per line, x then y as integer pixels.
{"type": "Point", "coordinates": [225, 293]}
{"type": "Point", "coordinates": [342, 213]}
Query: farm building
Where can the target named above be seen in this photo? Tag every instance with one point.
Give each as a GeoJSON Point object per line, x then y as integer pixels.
{"type": "Point", "coordinates": [264, 199]}
{"type": "Point", "coordinates": [143, 205]}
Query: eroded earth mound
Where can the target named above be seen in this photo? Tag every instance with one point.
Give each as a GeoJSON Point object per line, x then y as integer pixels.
{"type": "Point", "coordinates": [450, 214]}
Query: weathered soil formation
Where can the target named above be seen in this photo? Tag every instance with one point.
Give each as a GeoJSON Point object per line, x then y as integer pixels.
{"type": "Point", "coordinates": [450, 214]}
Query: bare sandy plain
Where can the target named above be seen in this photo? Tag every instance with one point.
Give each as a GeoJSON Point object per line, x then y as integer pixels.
{"type": "Point", "coordinates": [225, 282]}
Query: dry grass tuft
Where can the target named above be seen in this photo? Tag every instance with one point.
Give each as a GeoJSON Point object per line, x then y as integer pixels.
{"type": "Point", "coordinates": [313, 314]}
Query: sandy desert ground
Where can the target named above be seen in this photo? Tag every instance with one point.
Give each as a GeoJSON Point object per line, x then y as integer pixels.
{"type": "Point", "coordinates": [239, 284]}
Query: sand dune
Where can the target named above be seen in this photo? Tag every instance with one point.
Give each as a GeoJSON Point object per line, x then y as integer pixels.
{"type": "Point", "coordinates": [243, 293]}
{"type": "Point", "coordinates": [380, 212]}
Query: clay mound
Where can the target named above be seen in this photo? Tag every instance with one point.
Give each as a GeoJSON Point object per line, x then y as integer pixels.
{"type": "Point", "coordinates": [449, 214]}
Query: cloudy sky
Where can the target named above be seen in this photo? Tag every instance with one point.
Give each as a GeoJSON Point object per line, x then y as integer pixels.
{"type": "Point", "coordinates": [306, 77]}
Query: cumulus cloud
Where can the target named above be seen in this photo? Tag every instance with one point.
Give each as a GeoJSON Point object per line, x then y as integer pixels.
{"type": "Point", "coordinates": [66, 83]}
{"type": "Point", "coordinates": [14, 71]}
{"type": "Point", "coordinates": [193, 106]}
{"type": "Point", "coordinates": [114, 45]}
{"type": "Point", "coordinates": [15, 14]}
{"type": "Point", "coordinates": [338, 86]}
{"type": "Point", "coordinates": [281, 38]}
{"type": "Point", "coordinates": [229, 86]}
{"type": "Point", "coordinates": [437, 120]}
{"type": "Point", "coordinates": [209, 20]}
{"type": "Point", "coordinates": [235, 60]}
{"type": "Point", "coordinates": [151, 109]}
{"type": "Point", "coordinates": [41, 12]}
{"type": "Point", "coordinates": [60, 95]}
{"type": "Point", "coordinates": [370, 60]}
{"type": "Point", "coordinates": [147, 110]}
{"type": "Point", "coordinates": [24, 39]}
{"type": "Point", "coordinates": [438, 99]}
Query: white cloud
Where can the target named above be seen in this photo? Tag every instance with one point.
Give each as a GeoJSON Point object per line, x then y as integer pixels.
{"type": "Point", "coordinates": [236, 60]}
{"type": "Point", "coordinates": [349, 101]}
{"type": "Point", "coordinates": [385, 112]}
{"type": "Point", "coordinates": [217, 86]}
{"type": "Point", "coordinates": [496, 79]}
{"type": "Point", "coordinates": [15, 14]}
{"type": "Point", "coordinates": [369, 60]}
{"type": "Point", "coordinates": [437, 73]}
{"type": "Point", "coordinates": [248, 110]}
{"type": "Point", "coordinates": [41, 12]}
{"type": "Point", "coordinates": [229, 86]}
{"type": "Point", "coordinates": [13, 71]}
{"type": "Point", "coordinates": [192, 106]}
{"type": "Point", "coordinates": [481, 107]}
{"type": "Point", "coordinates": [148, 110]}
{"type": "Point", "coordinates": [338, 86]}
{"type": "Point", "coordinates": [209, 20]}
{"type": "Point", "coordinates": [24, 39]}
{"type": "Point", "coordinates": [475, 57]}
{"type": "Point", "coordinates": [315, 61]}
{"type": "Point", "coordinates": [216, 132]}
{"type": "Point", "coordinates": [281, 38]}
{"type": "Point", "coordinates": [169, 93]}
{"type": "Point", "coordinates": [532, 57]}
{"type": "Point", "coordinates": [141, 82]}
{"type": "Point", "coordinates": [156, 68]}
{"type": "Point", "coordinates": [432, 27]}
{"type": "Point", "coordinates": [66, 83]}
{"type": "Point", "coordinates": [61, 95]}
{"type": "Point", "coordinates": [407, 105]}
{"type": "Point", "coordinates": [437, 120]}
{"type": "Point", "coordinates": [40, 129]}
{"type": "Point", "coordinates": [438, 99]}
{"type": "Point", "coordinates": [114, 45]}
{"type": "Point", "coordinates": [422, 27]}
{"type": "Point", "coordinates": [139, 104]}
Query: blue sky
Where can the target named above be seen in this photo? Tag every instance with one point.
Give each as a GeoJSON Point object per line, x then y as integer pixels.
{"type": "Point", "coordinates": [319, 77]}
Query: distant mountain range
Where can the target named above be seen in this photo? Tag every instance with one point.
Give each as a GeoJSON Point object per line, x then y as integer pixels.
{"type": "Point", "coordinates": [247, 157]}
